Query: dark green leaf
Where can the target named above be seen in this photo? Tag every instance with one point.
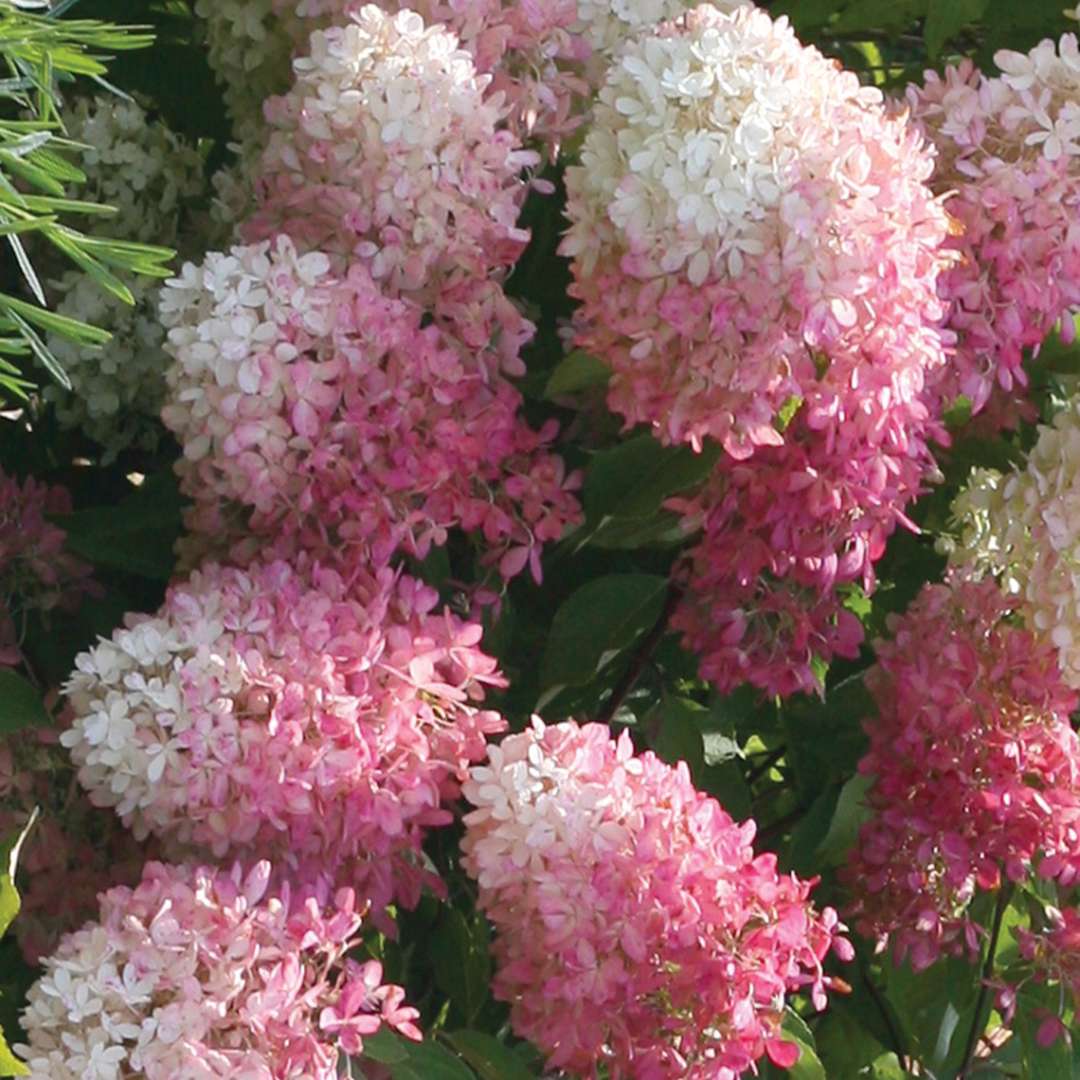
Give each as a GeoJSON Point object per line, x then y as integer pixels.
{"type": "Point", "coordinates": [462, 966]}
{"type": "Point", "coordinates": [490, 1059]}
{"type": "Point", "coordinates": [678, 735]}
{"type": "Point", "coordinates": [430, 1061]}
{"type": "Point", "coordinates": [599, 620]}
{"type": "Point", "coordinates": [849, 815]}
{"type": "Point", "coordinates": [946, 18]}
{"type": "Point", "coordinates": [576, 372]}
{"type": "Point", "coordinates": [20, 704]}
{"type": "Point", "coordinates": [632, 479]}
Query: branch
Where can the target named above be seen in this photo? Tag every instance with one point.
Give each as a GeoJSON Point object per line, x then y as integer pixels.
{"type": "Point", "coordinates": [639, 661]}
{"type": "Point", "coordinates": [978, 1021]}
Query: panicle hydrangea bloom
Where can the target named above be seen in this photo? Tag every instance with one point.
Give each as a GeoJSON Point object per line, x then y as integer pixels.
{"type": "Point", "coordinates": [117, 389]}
{"type": "Point", "coordinates": [136, 164]}
{"type": "Point", "coordinates": [314, 400]}
{"type": "Point", "coordinates": [387, 148]}
{"type": "Point", "coordinates": [750, 227]}
{"type": "Point", "coordinates": [249, 45]}
{"type": "Point", "coordinates": [71, 842]}
{"type": "Point", "coordinates": [289, 712]}
{"type": "Point", "coordinates": [635, 927]}
{"type": "Point", "coordinates": [209, 974]}
{"type": "Point", "coordinates": [1009, 151]}
{"type": "Point", "coordinates": [1025, 527]}
{"type": "Point", "coordinates": [36, 574]}
{"type": "Point", "coordinates": [784, 535]}
{"type": "Point", "coordinates": [975, 767]}
{"type": "Point", "coordinates": [151, 176]}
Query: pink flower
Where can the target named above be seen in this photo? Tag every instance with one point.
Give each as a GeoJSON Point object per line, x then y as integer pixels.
{"type": "Point", "coordinates": [36, 573]}
{"type": "Point", "coordinates": [329, 415]}
{"type": "Point", "coordinates": [635, 927]}
{"type": "Point", "coordinates": [975, 767]}
{"type": "Point", "coordinates": [325, 721]}
{"type": "Point", "coordinates": [1009, 155]}
{"type": "Point", "coordinates": [203, 973]}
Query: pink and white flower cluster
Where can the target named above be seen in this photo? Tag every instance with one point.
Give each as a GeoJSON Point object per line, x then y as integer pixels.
{"type": "Point", "coordinates": [388, 148]}
{"type": "Point", "coordinates": [750, 225]}
{"type": "Point", "coordinates": [975, 767]}
{"type": "Point", "coordinates": [330, 415]}
{"type": "Point", "coordinates": [36, 573]}
{"type": "Point", "coordinates": [206, 974]}
{"type": "Point", "coordinates": [289, 712]}
{"type": "Point", "coordinates": [757, 251]}
{"type": "Point", "coordinates": [1024, 527]}
{"type": "Point", "coordinates": [635, 928]}
{"type": "Point", "coordinates": [1009, 154]}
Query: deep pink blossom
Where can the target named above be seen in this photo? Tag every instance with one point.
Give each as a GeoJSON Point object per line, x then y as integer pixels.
{"type": "Point", "coordinates": [1009, 155]}
{"type": "Point", "coordinates": [36, 573]}
{"type": "Point", "coordinates": [975, 771]}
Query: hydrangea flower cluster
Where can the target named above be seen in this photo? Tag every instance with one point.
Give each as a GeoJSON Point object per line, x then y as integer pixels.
{"type": "Point", "coordinates": [36, 573]}
{"type": "Point", "coordinates": [1025, 527]}
{"type": "Point", "coordinates": [200, 973]}
{"type": "Point", "coordinates": [612, 882]}
{"type": "Point", "coordinates": [317, 403]}
{"type": "Point", "coordinates": [249, 47]}
{"type": "Point", "coordinates": [71, 841]}
{"type": "Point", "coordinates": [388, 149]}
{"type": "Point", "coordinates": [287, 712]}
{"type": "Point", "coordinates": [757, 251]}
{"type": "Point", "coordinates": [784, 536]}
{"type": "Point", "coordinates": [975, 767]}
{"type": "Point", "coordinates": [1009, 151]}
{"type": "Point", "coordinates": [750, 227]}
{"type": "Point", "coordinates": [152, 176]}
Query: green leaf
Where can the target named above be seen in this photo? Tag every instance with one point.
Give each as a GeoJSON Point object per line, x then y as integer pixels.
{"type": "Point", "coordinates": [633, 479]}
{"type": "Point", "coordinates": [430, 1061]}
{"type": "Point", "coordinates": [386, 1047]}
{"type": "Point", "coordinates": [848, 817]}
{"type": "Point", "coordinates": [597, 622]}
{"type": "Point", "coordinates": [136, 536]}
{"type": "Point", "coordinates": [576, 372]}
{"type": "Point", "coordinates": [1034, 1003]}
{"type": "Point", "coordinates": [946, 18]}
{"type": "Point", "coordinates": [10, 1065]}
{"type": "Point", "coordinates": [20, 704]}
{"type": "Point", "coordinates": [462, 965]}
{"type": "Point", "coordinates": [9, 864]}
{"type": "Point", "coordinates": [489, 1058]}
{"type": "Point", "coordinates": [678, 734]}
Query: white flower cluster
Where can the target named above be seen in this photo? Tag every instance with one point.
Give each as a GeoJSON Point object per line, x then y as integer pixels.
{"type": "Point", "coordinates": [129, 695]}
{"type": "Point", "coordinates": [697, 137]}
{"type": "Point", "coordinates": [607, 24]}
{"type": "Point", "coordinates": [135, 164]}
{"type": "Point", "coordinates": [151, 176]}
{"type": "Point", "coordinates": [232, 321]}
{"type": "Point", "coordinates": [118, 388]}
{"type": "Point", "coordinates": [88, 1010]}
{"type": "Point", "coordinates": [249, 51]}
{"type": "Point", "coordinates": [1046, 96]}
{"type": "Point", "coordinates": [527, 804]}
{"type": "Point", "coordinates": [1025, 527]}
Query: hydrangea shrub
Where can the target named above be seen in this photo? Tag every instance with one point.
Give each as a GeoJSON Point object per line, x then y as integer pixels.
{"type": "Point", "coordinates": [576, 573]}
